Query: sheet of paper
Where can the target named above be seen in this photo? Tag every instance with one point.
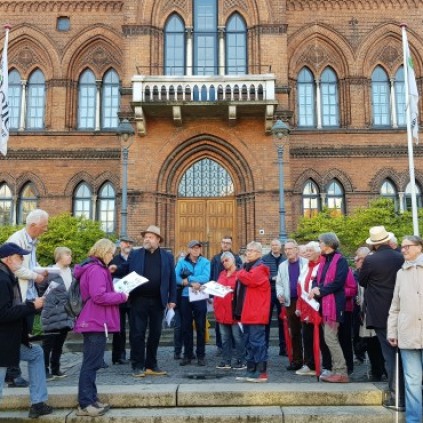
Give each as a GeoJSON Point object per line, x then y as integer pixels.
{"type": "Point", "coordinates": [51, 270]}
{"type": "Point", "coordinates": [170, 314]}
{"type": "Point", "coordinates": [129, 282]}
{"type": "Point", "coordinates": [312, 302]}
{"type": "Point", "coordinates": [197, 295]}
{"type": "Point", "coordinates": [51, 286]}
{"type": "Point", "coordinates": [216, 289]}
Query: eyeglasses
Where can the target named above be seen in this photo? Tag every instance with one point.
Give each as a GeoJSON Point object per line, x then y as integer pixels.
{"type": "Point", "coordinates": [407, 246]}
{"type": "Point", "coordinates": [226, 242]}
{"type": "Point", "coordinates": [251, 250]}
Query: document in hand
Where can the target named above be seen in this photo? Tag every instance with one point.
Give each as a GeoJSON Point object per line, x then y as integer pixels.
{"type": "Point", "coordinates": [197, 295]}
{"type": "Point", "coordinates": [50, 270]}
{"type": "Point", "coordinates": [216, 289]}
{"type": "Point", "coordinates": [312, 302]}
{"type": "Point", "coordinates": [129, 282]}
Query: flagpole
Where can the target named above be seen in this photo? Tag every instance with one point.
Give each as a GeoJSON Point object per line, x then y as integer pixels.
{"type": "Point", "coordinates": [409, 134]}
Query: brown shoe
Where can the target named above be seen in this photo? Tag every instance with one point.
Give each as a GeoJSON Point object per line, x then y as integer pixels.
{"type": "Point", "coordinates": [155, 372]}
{"type": "Point", "coordinates": [336, 378]}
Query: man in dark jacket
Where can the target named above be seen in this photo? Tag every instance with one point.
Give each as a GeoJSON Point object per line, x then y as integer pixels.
{"type": "Point", "coordinates": [149, 300]}
{"type": "Point", "coordinates": [14, 340]}
{"type": "Point", "coordinates": [377, 275]}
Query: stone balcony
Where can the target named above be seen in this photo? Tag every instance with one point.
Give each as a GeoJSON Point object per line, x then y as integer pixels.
{"type": "Point", "coordinates": [200, 96]}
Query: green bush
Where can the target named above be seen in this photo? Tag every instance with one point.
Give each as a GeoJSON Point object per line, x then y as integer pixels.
{"type": "Point", "coordinates": [77, 233]}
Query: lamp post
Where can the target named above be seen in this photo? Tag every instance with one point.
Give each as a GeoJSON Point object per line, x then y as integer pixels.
{"type": "Point", "coordinates": [280, 132]}
{"type": "Point", "coordinates": [126, 137]}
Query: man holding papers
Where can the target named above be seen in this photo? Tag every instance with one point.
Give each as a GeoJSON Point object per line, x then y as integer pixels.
{"type": "Point", "coordinates": [149, 300]}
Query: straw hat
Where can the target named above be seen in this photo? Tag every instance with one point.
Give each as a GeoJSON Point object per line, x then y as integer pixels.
{"type": "Point", "coordinates": [378, 235]}
{"type": "Point", "coordinates": [152, 229]}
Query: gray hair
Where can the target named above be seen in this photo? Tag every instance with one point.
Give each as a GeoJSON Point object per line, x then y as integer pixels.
{"type": "Point", "coordinates": [416, 240]}
{"type": "Point", "coordinates": [362, 251]}
{"type": "Point", "coordinates": [254, 245]}
{"type": "Point", "coordinates": [277, 241]}
{"type": "Point", "coordinates": [313, 245]}
{"type": "Point", "coordinates": [35, 216]}
{"type": "Point", "coordinates": [227, 254]}
{"type": "Point", "coordinates": [330, 239]}
{"type": "Point", "coordinates": [292, 241]}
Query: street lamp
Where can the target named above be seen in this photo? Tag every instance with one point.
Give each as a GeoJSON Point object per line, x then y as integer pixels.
{"type": "Point", "coordinates": [126, 133]}
{"type": "Point", "coordinates": [280, 132]}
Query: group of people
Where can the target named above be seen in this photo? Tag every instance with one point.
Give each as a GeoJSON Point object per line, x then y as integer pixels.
{"type": "Point", "coordinates": [313, 289]}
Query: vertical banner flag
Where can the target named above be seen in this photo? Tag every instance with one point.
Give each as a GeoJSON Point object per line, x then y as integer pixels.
{"type": "Point", "coordinates": [413, 94]}
{"type": "Point", "coordinates": [4, 99]}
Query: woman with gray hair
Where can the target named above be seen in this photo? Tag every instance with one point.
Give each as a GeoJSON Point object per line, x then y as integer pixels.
{"type": "Point", "coordinates": [229, 328]}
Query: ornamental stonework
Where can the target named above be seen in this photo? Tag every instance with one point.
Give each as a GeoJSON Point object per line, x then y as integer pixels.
{"type": "Point", "coordinates": [314, 56]}
{"type": "Point", "coordinates": [389, 55]}
{"type": "Point", "coordinates": [100, 57]}
{"type": "Point", "coordinates": [234, 4]}
{"type": "Point", "coordinates": [25, 58]}
{"type": "Point", "coordinates": [175, 4]}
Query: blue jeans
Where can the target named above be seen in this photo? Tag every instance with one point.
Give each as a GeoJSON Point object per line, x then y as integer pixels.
{"type": "Point", "coordinates": [227, 332]}
{"type": "Point", "coordinates": [255, 343]}
{"type": "Point", "coordinates": [197, 311]}
{"type": "Point", "coordinates": [34, 355]}
{"type": "Point", "coordinates": [412, 363]}
{"type": "Point", "coordinates": [92, 360]}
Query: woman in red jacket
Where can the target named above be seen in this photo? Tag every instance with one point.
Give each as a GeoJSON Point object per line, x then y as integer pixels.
{"type": "Point", "coordinates": [229, 328]}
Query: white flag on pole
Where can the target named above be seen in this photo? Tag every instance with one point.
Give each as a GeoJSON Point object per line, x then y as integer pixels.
{"type": "Point", "coordinates": [4, 99]}
{"type": "Point", "coordinates": [413, 94]}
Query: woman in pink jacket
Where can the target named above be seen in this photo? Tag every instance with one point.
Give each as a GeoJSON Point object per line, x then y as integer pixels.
{"type": "Point", "coordinates": [98, 318]}
{"type": "Point", "coordinates": [229, 328]}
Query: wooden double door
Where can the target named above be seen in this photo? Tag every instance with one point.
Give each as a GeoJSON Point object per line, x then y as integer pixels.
{"type": "Point", "coordinates": [206, 220]}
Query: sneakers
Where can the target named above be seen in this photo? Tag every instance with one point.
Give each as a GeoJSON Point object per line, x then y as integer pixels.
{"type": "Point", "coordinates": [138, 373]}
{"type": "Point", "coordinates": [39, 409]}
{"type": "Point", "coordinates": [325, 373]}
{"type": "Point", "coordinates": [224, 366]}
{"type": "Point", "coordinates": [258, 377]}
{"type": "Point", "coordinates": [58, 374]}
{"type": "Point", "coordinates": [239, 365]}
{"type": "Point", "coordinates": [18, 382]}
{"type": "Point", "coordinates": [155, 372]}
{"type": "Point", "coordinates": [104, 405]}
{"type": "Point", "coordinates": [294, 366]}
{"type": "Point", "coordinates": [49, 376]}
{"type": "Point", "coordinates": [248, 375]}
{"type": "Point", "coordinates": [336, 378]}
{"type": "Point", "coordinates": [305, 371]}
{"type": "Point", "coordinates": [91, 411]}
{"type": "Point", "coordinates": [390, 403]}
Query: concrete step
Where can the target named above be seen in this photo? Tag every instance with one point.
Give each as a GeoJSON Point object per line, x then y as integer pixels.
{"type": "Point", "coordinates": [269, 414]}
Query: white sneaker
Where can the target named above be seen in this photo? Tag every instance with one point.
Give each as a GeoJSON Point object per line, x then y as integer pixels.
{"type": "Point", "coordinates": [91, 411]}
{"type": "Point", "coordinates": [305, 371]}
{"type": "Point", "coordinates": [325, 373]}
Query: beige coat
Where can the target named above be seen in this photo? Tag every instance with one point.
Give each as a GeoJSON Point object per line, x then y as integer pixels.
{"type": "Point", "coordinates": [405, 321]}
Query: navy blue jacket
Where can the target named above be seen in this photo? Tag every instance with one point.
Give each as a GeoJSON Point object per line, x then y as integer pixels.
{"type": "Point", "coordinates": [135, 263]}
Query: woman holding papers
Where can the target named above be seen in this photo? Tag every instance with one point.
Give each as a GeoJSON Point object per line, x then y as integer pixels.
{"type": "Point", "coordinates": [229, 328]}
{"type": "Point", "coordinates": [99, 316]}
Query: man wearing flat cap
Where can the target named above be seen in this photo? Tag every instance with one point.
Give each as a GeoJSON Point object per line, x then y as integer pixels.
{"type": "Point", "coordinates": [377, 275]}
{"type": "Point", "coordinates": [148, 301]}
{"type": "Point", "coordinates": [191, 272]}
{"type": "Point", "coordinates": [14, 339]}
{"type": "Point", "coordinates": [126, 244]}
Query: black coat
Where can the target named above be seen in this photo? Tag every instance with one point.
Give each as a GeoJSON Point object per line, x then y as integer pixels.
{"type": "Point", "coordinates": [378, 274]}
{"type": "Point", "coordinates": [13, 313]}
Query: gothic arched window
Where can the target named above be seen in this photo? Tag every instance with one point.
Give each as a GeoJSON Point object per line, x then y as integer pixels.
{"type": "Point", "coordinates": [236, 46]}
{"type": "Point", "coordinates": [106, 214]}
{"type": "Point", "coordinates": [82, 201]}
{"type": "Point", "coordinates": [311, 199]}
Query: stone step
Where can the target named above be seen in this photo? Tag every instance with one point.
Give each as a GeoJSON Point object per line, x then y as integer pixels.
{"type": "Point", "coordinates": [267, 414]}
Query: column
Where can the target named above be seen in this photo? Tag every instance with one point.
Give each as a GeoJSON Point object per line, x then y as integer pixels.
{"type": "Point", "coordinates": [189, 30]}
{"type": "Point", "coordinates": [222, 53]}
{"type": "Point", "coordinates": [318, 104]}
{"type": "Point", "coordinates": [393, 104]}
{"type": "Point", "coordinates": [97, 105]}
{"type": "Point", "coordinates": [22, 116]}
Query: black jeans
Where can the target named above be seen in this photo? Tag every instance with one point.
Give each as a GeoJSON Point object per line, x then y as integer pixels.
{"type": "Point", "coordinates": [197, 311]}
{"type": "Point", "coordinates": [53, 349]}
{"type": "Point", "coordinates": [119, 338]}
{"type": "Point", "coordinates": [345, 340]}
{"type": "Point", "coordinates": [274, 302]}
{"type": "Point", "coordinates": [308, 339]}
{"type": "Point", "coordinates": [145, 312]}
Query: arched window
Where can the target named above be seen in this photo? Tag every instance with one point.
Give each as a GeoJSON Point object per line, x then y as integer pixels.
{"type": "Point", "coordinates": [388, 190]}
{"type": "Point", "coordinates": [27, 201]}
{"type": "Point", "coordinates": [381, 98]}
{"type": "Point", "coordinates": [87, 100]}
{"type": "Point", "coordinates": [174, 46]}
{"type": "Point", "coordinates": [311, 199]}
{"type": "Point", "coordinates": [205, 37]}
{"type": "Point", "coordinates": [110, 99]}
{"type": "Point", "coordinates": [15, 99]}
{"type": "Point", "coordinates": [408, 196]}
{"type": "Point", "coordinates": [306, 103]}
{"type": "Point", "coordinates": [335, 198]}
{"type": "Point", "coordinates": [206, 178]}
{"type": "Point", "coordinates": [106, 208]}
{"type": "Point", "coordinates": [329, 98]}
{"type": "Point", "coordinates": [236, 46]}
{"type": "Point", "coordinates": [399, 85]}
{"type": "Point", "coordinates": [36, 93]}
{"type": "Point", "coordinates": [82, 201]}
{"type": "Point", "coordinates": [6, 205]}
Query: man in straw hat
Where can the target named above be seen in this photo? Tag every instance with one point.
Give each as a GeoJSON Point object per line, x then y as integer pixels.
{"type": "Point", "coordinates": [13, 329]}
{"type": "Point", "coordinates": [148, 301]}
{"type": "Point", "coordinates": [377, 275]}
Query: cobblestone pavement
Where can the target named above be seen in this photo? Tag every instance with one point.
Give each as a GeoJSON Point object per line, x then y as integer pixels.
{"type": "Point", "coordinates": [122, 374]}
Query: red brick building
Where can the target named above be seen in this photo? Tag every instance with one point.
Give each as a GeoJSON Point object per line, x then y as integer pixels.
{"type": "Point", "coordinates": [202, 82]}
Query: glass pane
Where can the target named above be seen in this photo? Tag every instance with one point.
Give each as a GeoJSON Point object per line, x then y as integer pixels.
{"type": "Point", "coordinates": [82, 201]}
{"type": "Point", "coordinates": [335, 198]}
{"type": "Point", "coordinates": [6, 205]}
{"type": "Point", "coordinates": [15, 93]}
{"type": "Point", "coordinates": [311, 203]}
{"type": "Point", "coordinates": [329, 98]}
{"type": "Point", "coordinates": [175, 46]}
{"type": "Point", "coordinates": [87, 100]}
{"type": "Point", "coordinates": [381, 98]}
{"type": "Point", "coordinates": [206, 178]}
{"type": "Point", "coordinates": [236, 46]}
{"type": "Point", "coordinates": [305, 92]}
{"type": "Point", "coordinates": [400, 97]}
{"type": "Point", "coordinates": [27, 202]}
{"type": "Point", "coordinates": [110, 100]}
{"type": "Point", "coordinates": [387, 189]}
{"type": "Point", "coordinates": [106, 208]}
{"type": "Point", "coordinates": [35, 101]}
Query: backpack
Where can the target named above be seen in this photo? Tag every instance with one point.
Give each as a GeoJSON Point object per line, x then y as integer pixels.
{"type": "Point", "coordinates": [75, 303]}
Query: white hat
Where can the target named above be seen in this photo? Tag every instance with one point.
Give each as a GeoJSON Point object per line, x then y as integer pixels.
{"type": "Point", "coordinates": [378, 235]}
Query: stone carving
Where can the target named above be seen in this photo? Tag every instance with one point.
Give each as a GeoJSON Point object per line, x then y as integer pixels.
{"type": "Point", "coordinates": [315, 55]}
{"type": "Point", "coordinates": [234, 4]}
{"type": "Point", "coordinates": [25, 58]}
{"type": "Point", "coordinates": [24, 6]}
{"type": "Point", "coordinates": [174, 4]}
{"type": "Point", "coordinates": [100, 57]}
